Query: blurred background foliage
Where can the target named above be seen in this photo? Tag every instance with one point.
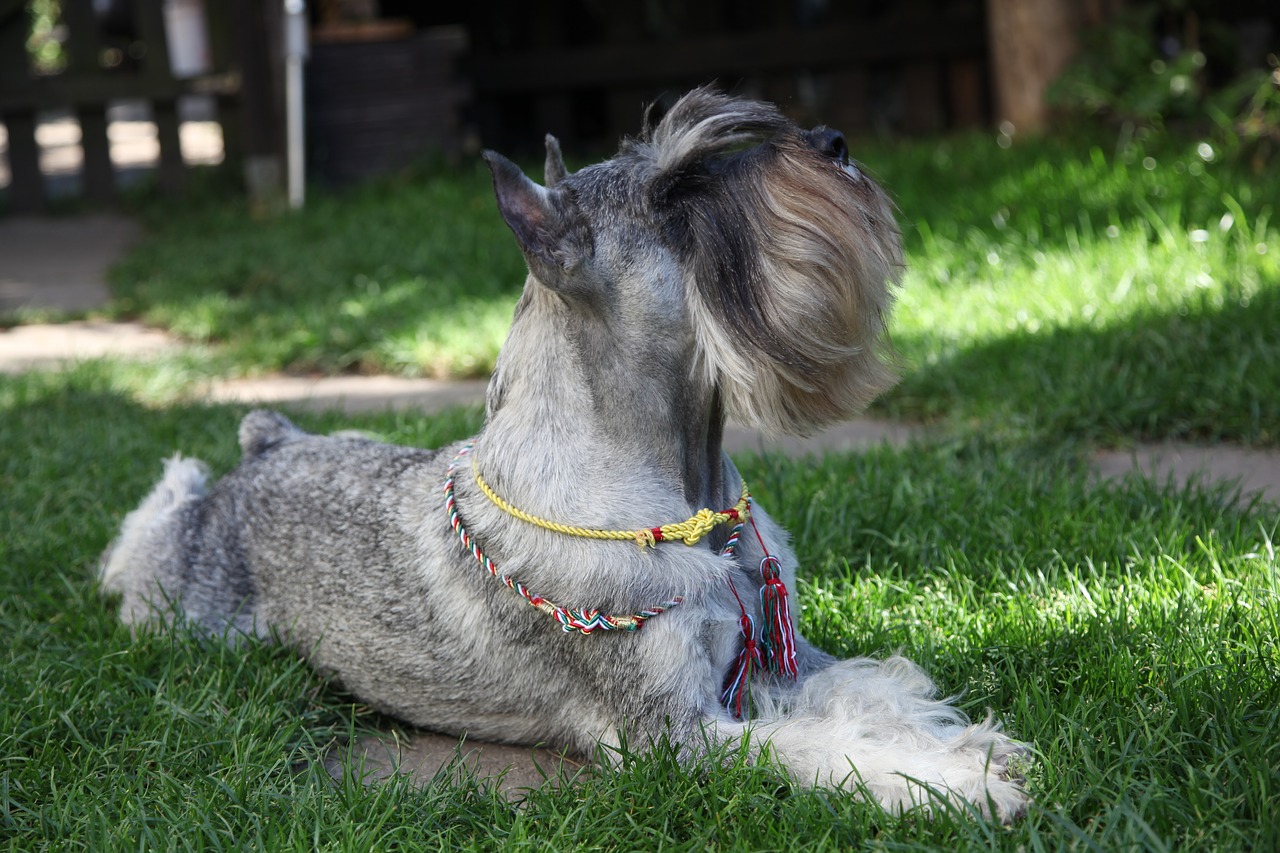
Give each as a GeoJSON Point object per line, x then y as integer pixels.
{"type": "Point", "coordinates": [1164, 66]}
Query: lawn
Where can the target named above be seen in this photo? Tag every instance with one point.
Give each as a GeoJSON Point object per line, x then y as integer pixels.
{"type": "Point", "coordinates": [1064, 286]}
{"type": "Point", "coordinates": [1060, 295]}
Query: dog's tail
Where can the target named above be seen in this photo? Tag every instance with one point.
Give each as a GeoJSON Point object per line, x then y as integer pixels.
{"type": "Point", "coordinates": [184, 480]}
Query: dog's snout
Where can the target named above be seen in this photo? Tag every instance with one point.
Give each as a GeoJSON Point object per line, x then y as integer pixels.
{"type": "Point", "coordinates": [830, 142]}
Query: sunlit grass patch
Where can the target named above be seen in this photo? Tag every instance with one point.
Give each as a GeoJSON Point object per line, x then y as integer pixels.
{"type": "Point", "coordinates": [1057, 290]}
{"type": "Point", "coordinates": [392, 277]}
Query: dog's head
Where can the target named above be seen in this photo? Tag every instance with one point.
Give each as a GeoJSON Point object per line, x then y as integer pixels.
{"type": "Point", "coordinates": [726, 246]}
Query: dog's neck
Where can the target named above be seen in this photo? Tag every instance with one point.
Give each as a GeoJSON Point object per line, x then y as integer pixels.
{"type": "Point", "coordinates": [571, 413]}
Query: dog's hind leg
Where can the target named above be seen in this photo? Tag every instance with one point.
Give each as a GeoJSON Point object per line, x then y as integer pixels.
{"type": "Point", "coordinates": [184, 480]}
{"type": "Point", "coordinates": [149, 565]}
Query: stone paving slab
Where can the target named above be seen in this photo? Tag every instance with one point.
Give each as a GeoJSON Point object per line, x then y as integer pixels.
{"type": "Point", "coordinates": [61, 262]}
{"type": "Point", "coordinates": [1256, 471]}
{"type": "Point", "coordinates": [357, 394]}
{"type": "Point", "coordinates": [47, 345]}
{"type": "Point", "coordinates": [351, 394]}
{"type": "Point", "coordinates": [423, 755]}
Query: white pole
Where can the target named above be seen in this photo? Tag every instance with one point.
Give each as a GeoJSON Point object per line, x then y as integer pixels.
{"type": "Point", "coordinates": [295, 53]}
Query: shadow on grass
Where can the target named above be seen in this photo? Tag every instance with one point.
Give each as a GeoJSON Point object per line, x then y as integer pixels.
{"type": "Point", "coordinates": [1210, 374]}
{"type": "Point", "coordinates": [398, 276]}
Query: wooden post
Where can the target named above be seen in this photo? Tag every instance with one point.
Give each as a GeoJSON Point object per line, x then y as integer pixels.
{"type": "Point", "coordinates": [921, 87]}
{"type": "Point", "coordinates": [83, 53]}
{"type": "Point", "coordinates": [97, 173]}
{"type": "Point", "coordinates": [164, 111]}
{"type": "Point", "coordinates": [26, 186]}
{"type": "Point", "coordinates": [965, 103]}
{"type": "Point", "coordinates": [257, 41]}
{"type": "Point", "coordinates": [223, 54]}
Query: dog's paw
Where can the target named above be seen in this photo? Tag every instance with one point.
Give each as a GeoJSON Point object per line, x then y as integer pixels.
{"type": "Point", "coordinates": [992, 766]}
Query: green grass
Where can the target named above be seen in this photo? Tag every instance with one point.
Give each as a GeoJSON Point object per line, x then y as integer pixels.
{"type": "Point", "coordinates": [1056, 288]}
{"type": "Point", "coordinates": [417, 277]}
{"type": "Point", "coordinates": [1062, 286]}
{"type": "Point", "coordinates": [1129, 632]}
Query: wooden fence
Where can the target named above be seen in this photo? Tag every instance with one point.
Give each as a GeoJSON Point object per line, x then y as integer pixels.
{"type": "Point", "coordinates": [510, 70]}
{"type": "Point", "coordinates": [910, 66]}
{"type": "Point", "coordinates": [88, 85]}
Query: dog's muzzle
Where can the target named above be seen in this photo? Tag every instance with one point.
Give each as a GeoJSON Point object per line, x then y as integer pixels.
{"type": "Point", "coordinates": [831, 143]}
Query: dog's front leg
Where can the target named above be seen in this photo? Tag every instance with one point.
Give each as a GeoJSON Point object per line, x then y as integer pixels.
{"type": "Point", "coordinates": [875, 725]}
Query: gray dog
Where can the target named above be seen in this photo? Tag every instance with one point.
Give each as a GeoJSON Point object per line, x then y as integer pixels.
{"type": "Point", "coordinates": [591, 564]}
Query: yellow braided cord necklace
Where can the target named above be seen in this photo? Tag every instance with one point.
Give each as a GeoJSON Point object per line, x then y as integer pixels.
{"type": "Point", "coordinates": [690, 531]}
{"type": "Point", "coordinates": [583, 621]}
{"type": "Point", "coordinates": [774, 650]}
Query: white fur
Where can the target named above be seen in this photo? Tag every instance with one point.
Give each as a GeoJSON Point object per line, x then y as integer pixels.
{"type": "Point", "coordinates": [877, 726]}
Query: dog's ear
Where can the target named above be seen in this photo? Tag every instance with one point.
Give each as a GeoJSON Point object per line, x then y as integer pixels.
{"type": "Point", "coordinates": [553, 235]}
{"type": "Point", "coordinates": [554, 172]}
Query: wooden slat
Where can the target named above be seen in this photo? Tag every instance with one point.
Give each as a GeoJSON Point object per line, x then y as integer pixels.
{"type": "Point", "coordinates": [97, 172]}
{"type": "Point", "coordinates": [608, 66]}
{"type": "Point", "coordinates": [164, 111]}
{"type": "Point", "coordinates": [172, 170]}
{"type": "Point", "coordinates": [84, 51]}
{"type": "Point", "coordinates": [149, 18]}
{"type": "Point", "coordinates": [922, 89]}
{"type": "Point", "coordinates": [83, 45]}
{"type": "Point", "coordinates": [26, 184]}
{"type": "Point", "coordinates": [222, 54]}
{"type": "Point", "coordinates": [66, 89]}
{"type": "Point", "coordinates": [965, 93]}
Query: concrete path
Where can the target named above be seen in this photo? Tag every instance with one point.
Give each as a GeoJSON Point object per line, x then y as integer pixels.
{"type": "Point", "coordinates": [48, 345]}
{"type": "Point", "coordinates": [61, 263]}
{"type": "Point", "coordinates": [1255, 471]}
{"type": "Point", "coordinates": [45, 345]}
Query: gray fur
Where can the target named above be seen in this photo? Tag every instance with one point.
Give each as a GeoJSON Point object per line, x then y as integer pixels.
{"type": "Point", "coordinates": [721, 261]}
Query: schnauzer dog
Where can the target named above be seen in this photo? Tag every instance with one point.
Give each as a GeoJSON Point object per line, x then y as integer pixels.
{"type": "Point", "coordinates": [591, 566]}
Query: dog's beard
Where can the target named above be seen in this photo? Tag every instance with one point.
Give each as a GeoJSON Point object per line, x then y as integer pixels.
{"type": "Point", "coordinates": [790, 312]}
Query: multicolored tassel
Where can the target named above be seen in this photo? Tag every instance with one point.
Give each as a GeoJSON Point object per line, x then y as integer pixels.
{"type": "Point", "coordinates": [777, 635]}
{"type": "Point", "coordinates": [738, 683]}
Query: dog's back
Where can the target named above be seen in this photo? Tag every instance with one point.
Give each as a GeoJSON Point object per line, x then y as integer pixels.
{"type": "Point", "coordinates": [184, 550]}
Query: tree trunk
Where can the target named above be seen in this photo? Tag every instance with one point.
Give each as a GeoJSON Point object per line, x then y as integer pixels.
{"type": "Point", "coordinates": [1031, 43]}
